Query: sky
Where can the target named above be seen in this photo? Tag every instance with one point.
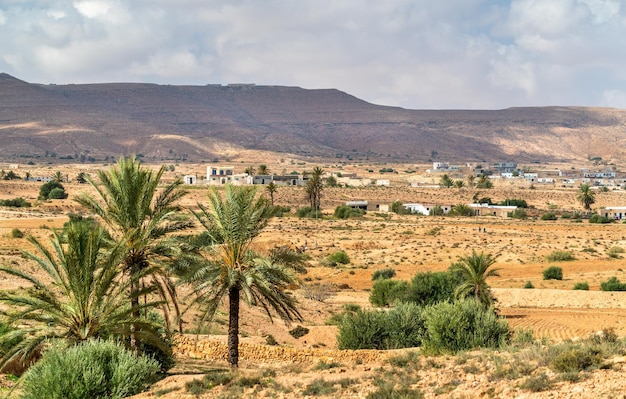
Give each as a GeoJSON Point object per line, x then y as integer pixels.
{"type": "Point", "coordinates": [417, 54]}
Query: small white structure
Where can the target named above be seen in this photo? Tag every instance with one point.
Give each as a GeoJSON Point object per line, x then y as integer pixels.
{"type": "Point", "coordinates": [424, 209]}
{"type": "Point", "coordinates": [383, 182]}
{"type": "Point", "coordinates": [190, 179]}
{"type": "Point", "coordinates": [441, 166]}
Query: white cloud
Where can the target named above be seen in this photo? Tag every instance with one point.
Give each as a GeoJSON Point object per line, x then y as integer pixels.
{"type": "Point", "coordinates": [453, 53]}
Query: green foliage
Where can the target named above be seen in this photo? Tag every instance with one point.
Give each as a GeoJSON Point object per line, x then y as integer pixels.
{"type": "Point", "coordinates": [553, 273]}
{"type": "Point", "coordinates": [595, 218]}
{"type": "Point", "coordinates": [586, 196]}
{"type": "Point", "coordinates": [279, 211]}
{"type": "Point", "coordinates": [548, 216]}
{"type": "Point", "coordinates": [331, 181]}
{"type": "Point", "coordinates": [462, 325]}
{"type": "Point", "coordinates": [17, 233]}
{"type": "Point", "coordinates": [383, 274]}
{"type": "Point", "coordinates": [461, 210]}
{"type": "Point", "coordinates": [446, 181]}
{"type": "Point", "coordinates": [387, 292]}
{"type": "Point", "coordinates": [474, 270]}
{"type": "Point", "coordinates": [520, 203]}
{"type": "Point", "coordinates": [298, 332]}
{"type": "Point", "coordinates": [484, 182]}
{"type": "Point", "coordinates": [575, 358]}
{"type": "Point", "coordinates": [399, 327]}
{"type": "Point", "coordinates": [16, 203]}
{"type": "Point", "coordinates": [519, 213]}
{"type": "Point", "coordinates": [319, 387]}
{"type": "Point", "coordinates": [338, 257]}
{"type": "Point", "coordinates": [347, 212]}
{"type": "Point", "coordinates": [537, 383]}
{"type": "Point", "coordinates": [529, 285]}
{"type": "Point", "coordinates": [398, 208]}
{"type": "Point", "coordinates": [613, 284]}
{"type": "Point", "coordinates": [436, 210]}
{"type": "Point", "coordinates": [47, 188]}
{"type": "Point", "coordinates": [584, 286]}
{"type": "Point", "coordinates": [308, 212]}
{"type": "Point", "coordinates": [560, 256]}
{"type": "Point", "coordinates": [428, 288]}
{"type": "Point", "coordinates": [95, 369]}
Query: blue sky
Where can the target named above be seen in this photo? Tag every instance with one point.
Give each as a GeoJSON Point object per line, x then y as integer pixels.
{"type": "Point", "coordinates": [420, 54]}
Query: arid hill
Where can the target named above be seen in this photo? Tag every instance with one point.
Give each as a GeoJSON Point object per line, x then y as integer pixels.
{"type": "Point", "coordinates": [93, 121]}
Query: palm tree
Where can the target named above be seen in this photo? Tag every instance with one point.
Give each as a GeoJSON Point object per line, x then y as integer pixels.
{"type": "Point", "coordinates": [314, 188]}
{"type": "Point", "coordinates": [446, 181]}
{"type": "Point", "coordinates": [271, 190]}
{"type": "Point", "coordinates": [81, 296]}
{"type": "Point", "coordinates": [58, 176]}
{"type": "Point", "coordinates": [263, 170]}
{"type": "Point", "coordinates": [474, 270]}
{"type": "Point", "coordinates": [142, 219]}
{"type": "Point", "coordinates": [459, 184]}
{"type": "Point", "coordinates": [586, 196]}
{"type": "Point", "coordinates": [470, 180]}
{"type": "Point", "coordinates": [233, 271]}
{"type": "Point", "coordinates": [250, 170]}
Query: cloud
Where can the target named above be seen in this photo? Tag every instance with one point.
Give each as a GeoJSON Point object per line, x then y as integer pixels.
{"type": "Point", "coordinates": [448, 54]}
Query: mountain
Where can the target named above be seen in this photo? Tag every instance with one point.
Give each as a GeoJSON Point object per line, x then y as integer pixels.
{"type": "Point", "coordinates": [94, 121]}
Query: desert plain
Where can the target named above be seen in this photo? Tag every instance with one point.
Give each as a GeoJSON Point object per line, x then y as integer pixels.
{"type": "Point", "coordinates": [406, 243]}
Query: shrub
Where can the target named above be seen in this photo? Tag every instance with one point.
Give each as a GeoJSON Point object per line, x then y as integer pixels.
{"type": "Point", "coordinates": [577, 358]}
{"type": "Point", "coordinates": [600, 219]}
{"type": "Point", "coordinates": [387, 292]}
{"type": "Point", "coordinates": [428, 288]}
{"type": "Point", "coordinates": [462, 210]}
{"type": "Point", "coordinates": [94, 369]}
{"type": "Point", "coordinates": [436, 210]}
{"type": "Point", "coordinates": [560, 256]}
{"type": "Point", "coordinates": [519, 213]}
{"type": "Point", "coordinates": [537, 383]}
{"type": "Point", "coordinates": [553, 273]}
{"type": "Point", "coordinates": [529, 285]}
{"type": "Point", "coordinates": [584, 286]}
{"type": "Point", "coordinates": [57, 193]}
{"type": "Point", "coordinates": [338, 257]}
{"type": "Point", "coordinates": [308, 212]}
{"type": "Point", "coordinates": [613, 284]}
{"type": "Point", "coordinates": [16, 203]}
{"type": "Point", "coordinates": [400, 327]}
{"type": "Point", "coordinates": [298, 332]}
{"type": "Point", "coordinates": [462, 325]}
{"type": "Point", "coordinates": [520, 203]}
{"type": "Point", "coordinates": [17, 233]}
{"type": "Point", "coordinates": [46, 189]}
{"type": "Point", "coordinates": [383, 274]}
{"type": "Point", "coordinates": [614, 251]}
{"type": "Point", "coordinates": [548, 216]}
{"type": "Point", "coordinates": [279, 210]}
{"type": "Point", "coordinates": [319, 292]}
{"type": "Point", "coordinates": [399, 209]}
{"type": "Point", "coordinates": [347, 212]}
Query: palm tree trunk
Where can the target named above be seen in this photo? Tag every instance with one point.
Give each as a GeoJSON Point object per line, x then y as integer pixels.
{"type": "Point", "coordinates": [134, 310]}
{"type": "Point", "coordinates": [233, 327]}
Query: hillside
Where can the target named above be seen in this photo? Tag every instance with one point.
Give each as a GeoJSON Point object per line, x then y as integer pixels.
{"type": "Point", "coordinates": [199, 123]}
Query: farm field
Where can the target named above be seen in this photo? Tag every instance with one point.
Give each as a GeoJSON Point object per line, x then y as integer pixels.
{"type": "Point", "coordinates": [408, 244]}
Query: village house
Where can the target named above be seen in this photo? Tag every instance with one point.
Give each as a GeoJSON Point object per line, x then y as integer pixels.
{"type": "Point", "coordinates": [424, 209]}
{"type": "Point", "coordinates": [221, 175]}
{"type": "Point", "coordinates": [492, 210]}
{"type": "Point", "coordinates": [613, 212]}
{"type": "Point", "coordinates": [367, 206]}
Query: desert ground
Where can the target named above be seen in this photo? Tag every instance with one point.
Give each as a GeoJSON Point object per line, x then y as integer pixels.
{"type": "Point", "coordinates": [408, 244]}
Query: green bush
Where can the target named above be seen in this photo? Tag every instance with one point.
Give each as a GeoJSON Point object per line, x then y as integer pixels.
{"type": "Point", "coordinates": [17, 233]}
{"type": "Point", "coordinates": [47, 188]}
{"type": "Point", "coordinates": [613, 284]}
{"type": "Point", "coordinates": [560, 256]}
{"type": "Point", "coordinates": [94, 369]}
{"type": "Point", "coordinates": [428, 288]}
{"type": "Point", "coordinates": [338, 257]}
{"type": "Point", "coordinates": [347, 212]}
{"type": "Point", "coordinates": [298, 332]}
{"type": "Point", "coordinates": [387, 292]}
{"type": "Point", "coordinates": [600, 219]}
{"type": "Point", "coordinates": [462, 325]}
{"type": "Point", "coordinates": [553, 273]}
{"type": "Point", "coordinates": [518, 213]}
{"type": "Point", "coordinates": [529, 285]}
{"type": "Point", "coordinates": [308, 212]}
{"type": "Point", "coordinates": [16, 203]}
{"type": "Point", "coordinates": [577, 358]}
{"type": "Point", "coordinates": [584, 286]}
{"type": "Point", "coordinates": [57, 193]}
{"type": "Point", "coordinates": [400, 327]}
{"type": "Point", "coordinates": [548, 216]}
{"type": "Point", "coordinates": [398, 208]}
{"type": "Point", "coordinates": [436, 210]}
{"type": "Point", "coordinates": [520, 203]}
{"type": "Point", "coordinates": [279, 211]}
{"type": "Point", "coordinates": [383, 274]}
